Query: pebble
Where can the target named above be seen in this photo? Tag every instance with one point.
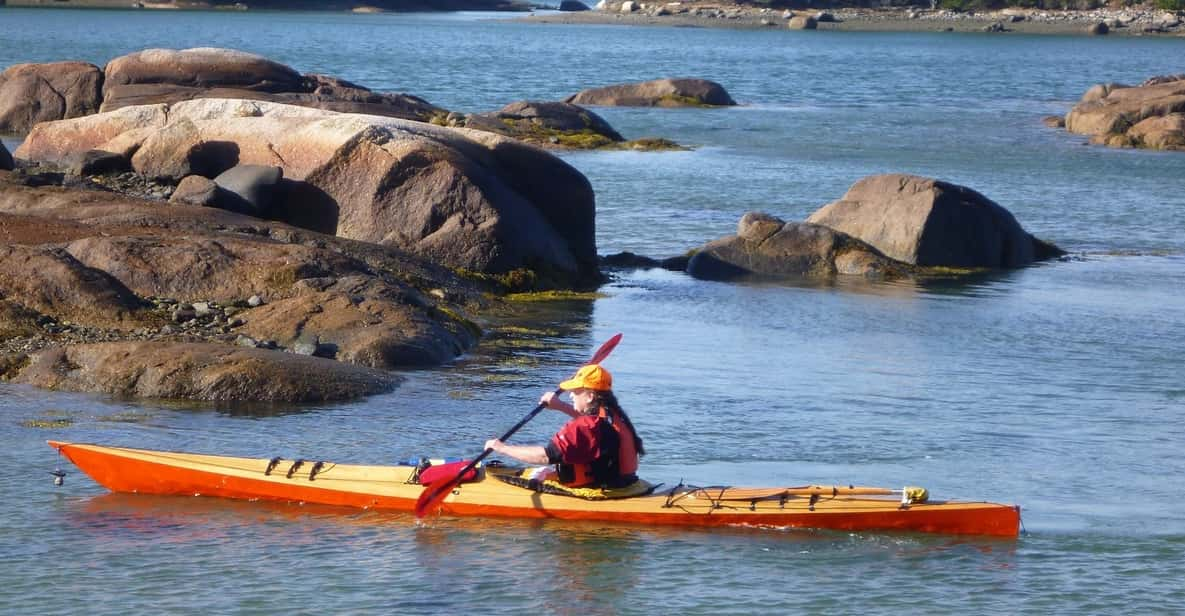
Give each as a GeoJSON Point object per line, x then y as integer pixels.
{"type": "Point", "coordinates": [305, 347]}
{"type": "Point", "coordinates": [191, 322]}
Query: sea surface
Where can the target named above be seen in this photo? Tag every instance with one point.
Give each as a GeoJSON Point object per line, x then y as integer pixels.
{"type": "Point", "coordinates": [1059, 387]}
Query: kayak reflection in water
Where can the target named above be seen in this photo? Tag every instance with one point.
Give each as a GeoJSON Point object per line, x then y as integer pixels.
{"type": "Point", "coordinates": [597, 448]}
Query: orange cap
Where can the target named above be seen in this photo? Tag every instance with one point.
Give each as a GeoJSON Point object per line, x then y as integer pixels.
{"type": "Point", "coordinates": [592, 376]}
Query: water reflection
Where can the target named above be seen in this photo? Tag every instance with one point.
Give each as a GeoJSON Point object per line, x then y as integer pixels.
{"type": "Point", "coordinates": [582, 561]}
{"type": "Point", "coordinates": [244, 408]}
{"type": "Point", "coordinates": [191, 519]}
{"type": "Point", "coordinates": [956, 284]}
{"type": "Point", "coordinates": [521, 338]}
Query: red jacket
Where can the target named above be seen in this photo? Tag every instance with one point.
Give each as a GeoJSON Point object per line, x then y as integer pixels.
{"type": "Point", "coordinates": [594, 450]}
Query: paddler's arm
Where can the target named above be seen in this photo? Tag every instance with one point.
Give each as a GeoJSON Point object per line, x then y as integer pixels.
{"type": "Point", "coordinates": [531, 454]}
{"type": "Point", "coordinates": [552, 401]}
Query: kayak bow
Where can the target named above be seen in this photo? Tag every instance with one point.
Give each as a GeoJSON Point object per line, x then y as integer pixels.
{"type": "Point", "coordinates": [850, 508]}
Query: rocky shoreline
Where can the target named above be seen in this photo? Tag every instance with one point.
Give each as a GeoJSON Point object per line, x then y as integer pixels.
{"type": "Point", "coordinates": [139, 297]}
{"type": "Point", "coordinates": [169, 233]}
{"type": "Point", "coordinates": [1127, 22]}
{"type": "Point", "coordinates": [211, 225]}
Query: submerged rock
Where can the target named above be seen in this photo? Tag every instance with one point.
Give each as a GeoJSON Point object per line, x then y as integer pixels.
{"type": "Point", "coordinates": [766, 246]}
{"type": "Point", "coordinates": [1054, 121]}
{"type": "Point", "coordinates": [657, 93]}
{"type": "Point", "coordinates": [547, 124]}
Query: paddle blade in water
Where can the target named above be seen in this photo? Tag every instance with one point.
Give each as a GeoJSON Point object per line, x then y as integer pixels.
{"type": "Point", "coordinates": [432, 496]}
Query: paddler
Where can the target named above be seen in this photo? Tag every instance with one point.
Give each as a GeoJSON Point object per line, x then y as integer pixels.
{"type": "Point", "coordinates": [596, 448]}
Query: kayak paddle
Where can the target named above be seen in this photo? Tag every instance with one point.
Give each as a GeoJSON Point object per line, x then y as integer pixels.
{"type": "Point", "coordinates": [434, 494]}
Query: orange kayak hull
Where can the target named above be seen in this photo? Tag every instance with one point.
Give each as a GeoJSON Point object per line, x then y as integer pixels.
{"type": "Point", "coordinates": [391, 488]}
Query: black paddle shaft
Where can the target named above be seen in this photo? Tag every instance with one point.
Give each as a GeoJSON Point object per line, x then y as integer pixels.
{"type": "Point", "coordinates": [505, 437]}
{"type": "Point", "coordinates": [449, 485]}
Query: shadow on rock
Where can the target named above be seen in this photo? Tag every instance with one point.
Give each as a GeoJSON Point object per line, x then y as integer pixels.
{"type": "Point", "coordinates": [303, 205]}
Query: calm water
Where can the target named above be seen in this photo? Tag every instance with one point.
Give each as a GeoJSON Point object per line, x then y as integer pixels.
{"type": "Point", "coordinates": [1057, 387]}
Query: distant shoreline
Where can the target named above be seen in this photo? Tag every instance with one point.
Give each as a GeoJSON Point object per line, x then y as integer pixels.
{"type": "Point", "coordinates": [1122, 22]}
{"type": "Point", "coordinates": [333, 6]}
{"type": "Point", "coordinates": [1130, 21]}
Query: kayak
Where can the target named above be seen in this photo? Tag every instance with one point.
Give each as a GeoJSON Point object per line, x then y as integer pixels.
{"type": "Point", "coordinates": [498, 491]}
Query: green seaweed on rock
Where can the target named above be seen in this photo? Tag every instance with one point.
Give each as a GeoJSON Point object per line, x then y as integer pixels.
{"type": "Point", "coordinates": [674, 100]}
{"type": "Point", "coordinates": [552, 296]}
{"type": "Point", "coordinates": [47, 424]}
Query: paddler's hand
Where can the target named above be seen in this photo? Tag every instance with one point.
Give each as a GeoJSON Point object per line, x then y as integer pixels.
{"type": "Point", "coordinates": [552, 401]}
{"type": "Point", "coordinates": [494, 445]}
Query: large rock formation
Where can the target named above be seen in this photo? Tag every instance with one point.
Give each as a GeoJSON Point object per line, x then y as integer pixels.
{"type": "Point", "coordinates": [656, 93]}
{"type": "Point", "coordinates": [766, 246]}
{"type": "Point", "coordinates": [83, 266]}
{"type": "Point", "coordinates": [195, 371]}
{"type": "Point", "coordinates": [928, 222]}
{"type": "Point", "coordinates": [1151, 115]}
{"type": "Point", "coordinates": [49, 280]}
{"type": "Point", "coordinates": [32, 93]}
{"type": "Point", "coordinates": [201, 67]}
{"type": "Point", "coordinates": [64, 142]}
{"type": "Point", "coordinates": [463, 198]}
{"type": "Point", "coordinates": [360, 321]}
{"type": "Point", "coordinates": [311, 293]}
{"type": "Point", "coordinates": [169, 76]}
